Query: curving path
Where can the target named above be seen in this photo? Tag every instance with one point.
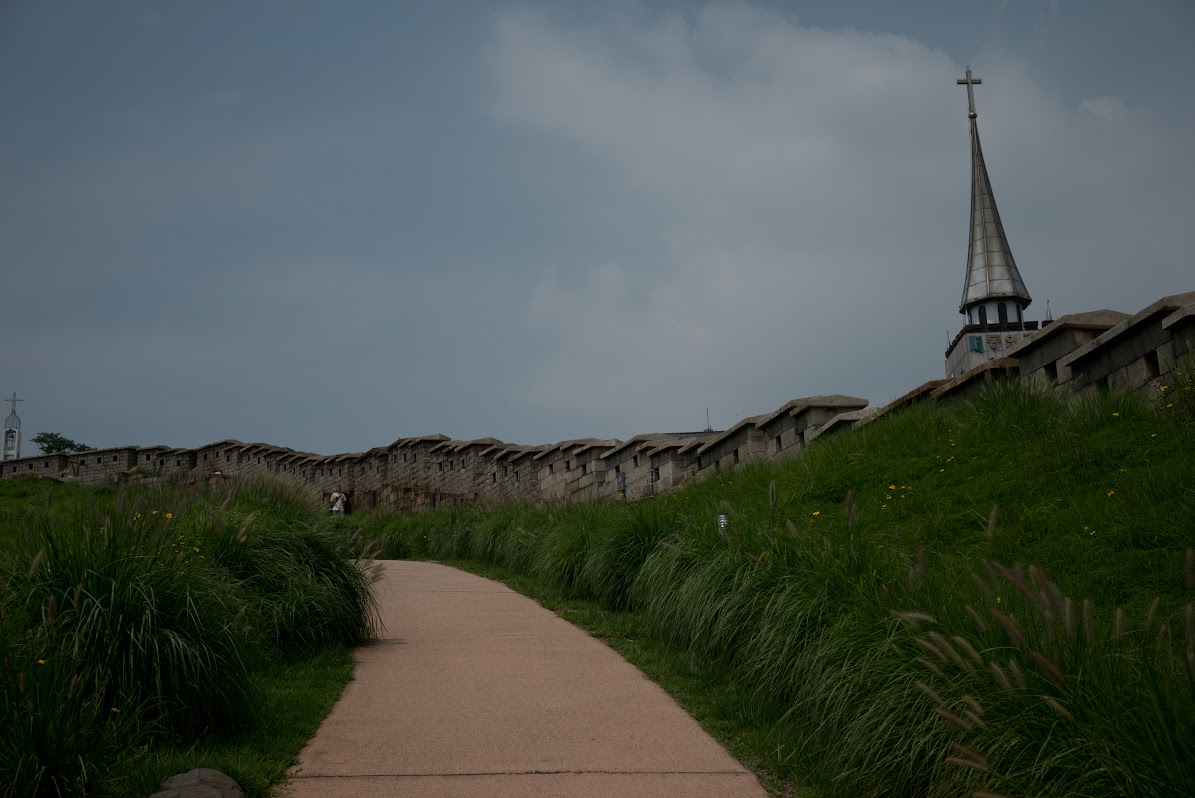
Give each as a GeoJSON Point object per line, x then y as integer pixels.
{"type": "Point", "coordinates": [475, 690]}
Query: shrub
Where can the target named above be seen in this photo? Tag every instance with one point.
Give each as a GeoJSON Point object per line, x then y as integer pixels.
{"type": "Point", "coordinates": [140, 618]}
{"type": "Point", "coordinates": [304, 585]}
{"type": "Point", "coordinates": [113, 632]}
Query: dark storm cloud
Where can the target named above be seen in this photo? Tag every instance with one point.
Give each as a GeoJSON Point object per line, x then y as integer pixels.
{"type": "Point", "coordinates": [330, 226]}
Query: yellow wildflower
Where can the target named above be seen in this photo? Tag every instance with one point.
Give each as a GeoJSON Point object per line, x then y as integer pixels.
{"type": "Point", "coordinates": [1111, 492]}
{"type": "Point", "coordinates": [169, 516]}
{"type": "Point", "coordinates": [1116, 415]}
{"type": "Point", "coordinates": [816, 512]}
{"type": "Point", "coordinates": [41, 662]}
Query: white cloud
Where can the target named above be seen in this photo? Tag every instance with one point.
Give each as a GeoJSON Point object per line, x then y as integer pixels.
{"type": "Point", "coordinates": [742, 102]}
{"type": "Point", "coordinates": [1105, 109]}
{"type": "Point", "coordinates": [765, 149]}
{"type": "Point", "coordinates": [809, 190]}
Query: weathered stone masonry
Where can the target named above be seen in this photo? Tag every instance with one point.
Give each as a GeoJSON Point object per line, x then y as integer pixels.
{"type": "Point", "coordinates": [1080, 353]}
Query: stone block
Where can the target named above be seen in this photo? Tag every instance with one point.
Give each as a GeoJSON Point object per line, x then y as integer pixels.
{"type": "Point", "coordinates": [199, 783]}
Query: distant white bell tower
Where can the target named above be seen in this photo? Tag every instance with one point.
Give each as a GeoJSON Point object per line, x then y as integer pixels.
{"type": "Point", "coordinates": [12, 433]}
{"type": "Point", "coordinates": [994, 295]}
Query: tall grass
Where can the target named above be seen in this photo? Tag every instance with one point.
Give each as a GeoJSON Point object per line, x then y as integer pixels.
{"type": "Point", "coordinates": [1106, 701]}
{"type": "Point", "coordinates": [140, 618]}
{"type": "Point", "coordinates": [303, 584]}
{"type": "Point", "coordinates": [876, 599]}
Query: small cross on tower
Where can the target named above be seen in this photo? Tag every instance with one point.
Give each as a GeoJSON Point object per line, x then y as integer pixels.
{"type": "Point", "coordinates": [970, 83]}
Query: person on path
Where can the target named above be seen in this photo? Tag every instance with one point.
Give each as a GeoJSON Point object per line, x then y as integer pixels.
{"type": "Point", "coordinates": [338, 502]}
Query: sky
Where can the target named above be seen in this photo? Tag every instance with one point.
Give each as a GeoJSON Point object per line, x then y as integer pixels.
{"type": "Point", "coordinates": [330, 225]}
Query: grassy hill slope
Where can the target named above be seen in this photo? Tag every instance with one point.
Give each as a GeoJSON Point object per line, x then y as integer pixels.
{"type": "Point", "coordinates": [989, 599]}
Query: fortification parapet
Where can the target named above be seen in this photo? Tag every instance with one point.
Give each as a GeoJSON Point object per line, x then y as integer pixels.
{"type": "Point", "coordinates": [1080, 352]}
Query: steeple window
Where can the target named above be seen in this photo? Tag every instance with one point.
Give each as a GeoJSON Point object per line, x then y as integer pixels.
{"type": "Point", "coordinates": [1002, 310]}
{"type": "Point", "coordinates": [983, 314]}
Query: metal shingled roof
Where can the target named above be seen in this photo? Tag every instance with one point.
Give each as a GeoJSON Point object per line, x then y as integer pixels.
{"type": "Point", "coordinates": [991, 271]}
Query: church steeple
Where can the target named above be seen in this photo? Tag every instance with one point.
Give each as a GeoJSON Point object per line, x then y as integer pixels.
{"type": "Point", "coordinates": [10, 449]}
{"type": "Point", "coordinates": [992, 274]}
{"type": "Point", "coordinates": [994, 295]}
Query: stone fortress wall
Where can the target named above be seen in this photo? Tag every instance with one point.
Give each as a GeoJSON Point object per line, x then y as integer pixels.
{"type": "Point", "coordinates": [1079, 353]}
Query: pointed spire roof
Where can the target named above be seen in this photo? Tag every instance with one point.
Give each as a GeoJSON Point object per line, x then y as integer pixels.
{"type": "Point", "coordinates": [991, 271]}
{"type": "Point", "coordinates": [13, 421]}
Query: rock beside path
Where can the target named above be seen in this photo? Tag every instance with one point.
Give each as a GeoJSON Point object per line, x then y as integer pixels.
{"type": "Point", "coordinates": [199, 783]}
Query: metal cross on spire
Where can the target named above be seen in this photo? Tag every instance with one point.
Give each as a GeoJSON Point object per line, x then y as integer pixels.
{"type": "Point", "coordinates": [970, 83]}
{"type": "Point", "coordinates": [14, 401]}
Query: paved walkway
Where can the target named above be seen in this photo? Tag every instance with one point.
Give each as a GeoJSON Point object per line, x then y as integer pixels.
{"type": "Point", "coordinates": [476, 690]}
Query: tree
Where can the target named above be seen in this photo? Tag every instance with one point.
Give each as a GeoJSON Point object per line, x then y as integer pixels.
{"type": "Point", "coordinates": [53, 443]}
